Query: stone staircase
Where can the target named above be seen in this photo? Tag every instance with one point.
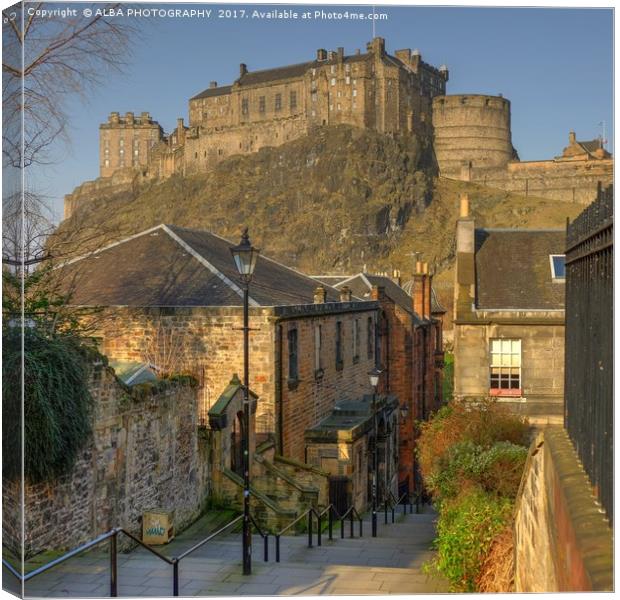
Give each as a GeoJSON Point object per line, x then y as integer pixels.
{"type": "Point", "coordinates": [388, 564]}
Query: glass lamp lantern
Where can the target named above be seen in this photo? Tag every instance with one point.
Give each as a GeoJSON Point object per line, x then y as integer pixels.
{"type": "Point", "coordinates": [245, 256]}
{"type": "Point", "coordinates": [374, 377]}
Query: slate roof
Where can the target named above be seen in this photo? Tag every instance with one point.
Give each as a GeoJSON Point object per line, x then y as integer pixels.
{"type": "Point", "coordinates": [513, 270]}
{"type": "Point", "coordinates": [173, 266]}
{"type": "Point", "coordinates": [212, 92]}
{"type": "Point", "coordinates": [362, 284]}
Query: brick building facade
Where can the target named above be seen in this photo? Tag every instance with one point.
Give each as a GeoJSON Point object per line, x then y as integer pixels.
{"type": "Point", "coordinates": [410, 350]}
{"type": "Point", "coordinates": [172, 300]}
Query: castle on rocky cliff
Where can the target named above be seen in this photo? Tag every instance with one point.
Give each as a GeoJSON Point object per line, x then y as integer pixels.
{"type": "Point", "coordinates": [394, 94]}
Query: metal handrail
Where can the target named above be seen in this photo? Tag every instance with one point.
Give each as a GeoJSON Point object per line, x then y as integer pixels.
{"type": "Point", "coordinates": [352, 513]}
{"type": "Point", "coordinates": [392, 502]}
{"type": "Point", "coordinates": [265, 537]}
{"type": "Point", "coordinates": [112, 536]}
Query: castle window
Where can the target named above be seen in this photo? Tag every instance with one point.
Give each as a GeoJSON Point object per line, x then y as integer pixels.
{"type": "Point", "coordinates": [121, 142]}
{"type": "Point", "coordinates": [314, 97]}
{"type": "Point", "coordinates": [245, 109]}
{"type": "Point", "coordinates": [338, 105]}
{"type": "Point", "coordinates": [195, 154]}
{"type": "Point", "coordinates": [331, 107]}
{"type": "Point", "coordinates": [136, 152]}
{"type": "Point", "coordinates": [332, 69]}
{"type": "Point", "coordinates": [106, 162]}
{"type": "Point", "coordinates": [355, 82]}
{"type": "Point", "coordinates": [313, 113]}
{"type": "Point", "coordinates": [278, 101]}
{"type": "Point", "coordinates": [313, 72]}
{"type": "Point", "coordinates": [333, 82]}
{"type": "Point", "coordinates": [261, 104]}
{"type": "Point", "coordinates": [347, 80]}
{"type": "Point", "coordinates": [121, 152]}
{"type": "Point", "coordinates": [205, 154]}
{"type": "Point", "coordinates": [339, 93]}
{"type": "Point", "coordinates": [347, 67]}
{"type": "Point", "coordinates": [293, 99]}
{"type": "Point", "coordinates": [354, 93]}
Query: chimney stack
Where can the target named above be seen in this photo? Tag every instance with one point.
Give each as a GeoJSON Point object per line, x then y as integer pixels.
{"type": "Point", "coordinates": [243, 69]}
{"type": "Point", "coordinates": [320, 295]}
{"type": "Point", "coordinates": [180, 131]}
{"type": "Point", "coordinates": [418, 291]}
{"type": "Point", "coordinates": [572, 138]}
{"type": "Point", "coordinates": [345, 294]}
{"type": "Point", "coordinates": [212, 84]}
{"type": "Point", "coordinates": [321, 54]}
{"type": "Point", "coordinates": [377, 292]}
{"type": "Point", "coordinates": [340, 53]}
{"type": "Point", "coordinates": [464, 206]}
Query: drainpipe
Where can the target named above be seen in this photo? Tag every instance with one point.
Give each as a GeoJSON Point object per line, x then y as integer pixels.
{"type": "Point", "coordinates": [278, 392]}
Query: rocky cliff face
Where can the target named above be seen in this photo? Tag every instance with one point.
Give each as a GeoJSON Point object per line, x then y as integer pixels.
{"type": "Point", "coordinates": [334, 200]}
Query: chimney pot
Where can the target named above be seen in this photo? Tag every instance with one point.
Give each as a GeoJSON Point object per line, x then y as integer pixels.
{"type": "Point", "coordinates": [340, 52]}
{"type": "Point", "coordinates": [243, 69]}
{"type": "Point", "coordinates": [212, 84]}
{"type": "Point", "coordinates": [320, 295]}
{"type": "Point", "coordinates": [345, 294]}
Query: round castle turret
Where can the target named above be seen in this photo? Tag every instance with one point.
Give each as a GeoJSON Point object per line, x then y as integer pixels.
{"type": "Point", "coordinates": [471, 130]}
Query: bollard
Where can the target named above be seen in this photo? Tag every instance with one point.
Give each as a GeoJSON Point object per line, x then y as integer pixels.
{"type": "Point", "coordinates": [266, 542]}
{"type": "Point", "coordinates": [351, 524]}
{"type": "Point", "coordinates": [113, 567]}
{"type": "Point", "coordinates": [310, 529]}
{"type": "Point", "coordinates": [342, 529]}
{"type": "Point", "coordinates": [361, 528]}
{"type": "Point", "coordinates": [392, 514]}
{"type": "Point", "coordinates": [385, 511]}
{"type": "Point", "coordinates": [277, 548]}
{"type": "Point", "coordinates": [417, 504]}
{"type": "Point", "coordinates": [175, 577]}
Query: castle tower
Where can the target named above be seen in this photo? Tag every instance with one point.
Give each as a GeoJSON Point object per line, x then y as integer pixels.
{"type": "Point", "coordinates": [126, 141]}
{"type": "Point", "coordinates": [471, 131]}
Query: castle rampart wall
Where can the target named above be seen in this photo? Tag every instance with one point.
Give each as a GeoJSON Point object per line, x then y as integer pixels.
{"type": "Point", "coordinates": [568, 181]}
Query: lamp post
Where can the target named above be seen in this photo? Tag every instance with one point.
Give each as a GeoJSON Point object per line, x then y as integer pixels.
{"type": "Point", "coordinates": [374, 382]}
{"type": "Point", "coordinates": [245, 256]}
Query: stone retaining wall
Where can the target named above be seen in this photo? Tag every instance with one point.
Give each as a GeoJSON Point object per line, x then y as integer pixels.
{"type": "Point", "coordinates": [144, 454]}
{"type": "Point", "coordinates": [563, 541]}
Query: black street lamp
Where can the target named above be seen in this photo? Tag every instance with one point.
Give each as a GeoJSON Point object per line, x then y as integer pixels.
{"type": "Point", "coordinates": [374, 382]}
{"type": "Point", "coordinates": [245, 256]}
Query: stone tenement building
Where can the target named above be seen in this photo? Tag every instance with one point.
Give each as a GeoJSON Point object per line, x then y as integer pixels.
{"type": "Point", "coordinates": [509, 317]}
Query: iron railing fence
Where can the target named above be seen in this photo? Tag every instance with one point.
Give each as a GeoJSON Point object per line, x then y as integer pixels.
{"type": "Point", "coordinates": [588, 389]}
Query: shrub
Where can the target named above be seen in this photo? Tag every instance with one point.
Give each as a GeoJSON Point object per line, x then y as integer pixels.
{"type": "Point", "coordinates": [466, 529]}
{"type": "Point", "coordinates": [482, 423]}
{"type": "Point", "coordinates": [57, 404]}
{"type": "Point", "coordinates": [465, 465]}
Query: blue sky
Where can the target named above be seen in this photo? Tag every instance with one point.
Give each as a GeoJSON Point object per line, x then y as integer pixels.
{"type": "Point", "coordinates": [555, 66]}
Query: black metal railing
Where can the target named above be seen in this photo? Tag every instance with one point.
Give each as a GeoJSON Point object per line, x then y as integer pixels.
{"type": "Point", "coordinates": [391, 502]}
{"type": "Point", "coordinates": [588, 373]}
{"type": "Point", "coordinates": [112, 535]}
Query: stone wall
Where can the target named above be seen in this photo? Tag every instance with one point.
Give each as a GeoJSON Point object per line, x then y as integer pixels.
{"type": "Point", "coordinates": [144, 454]}
{"type": "Point", "coordinates": [566, 180]}
{"type": "Point", "coordinates": [562, 540]}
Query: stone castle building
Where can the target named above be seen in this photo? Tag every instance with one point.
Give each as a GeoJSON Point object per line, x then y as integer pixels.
{"type": "Point", "coordinates": [395, 94]}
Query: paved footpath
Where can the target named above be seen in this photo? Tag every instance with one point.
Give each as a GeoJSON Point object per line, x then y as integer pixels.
{"type": "Point", "coordinates": [388, 564]}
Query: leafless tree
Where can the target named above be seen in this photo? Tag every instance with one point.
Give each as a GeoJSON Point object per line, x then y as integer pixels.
{"type": "Point", "coordinates": [62, 57]}
{"type": "Point", "coordinates": [48, 57]}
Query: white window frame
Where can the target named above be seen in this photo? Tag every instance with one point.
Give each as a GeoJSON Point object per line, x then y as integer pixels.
{"type": "Point", "coordinates": [505, 367]}
{"type": "Point", "coordinates": [553, 275]}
